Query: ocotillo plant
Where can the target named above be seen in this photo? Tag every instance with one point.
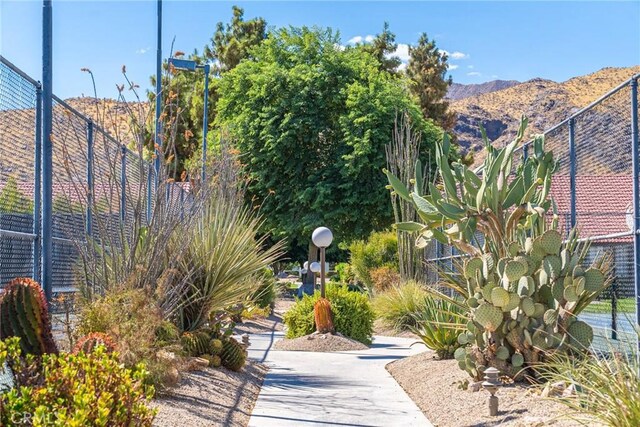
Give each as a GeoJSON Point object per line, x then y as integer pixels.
{"type": "Point", "coordinates": [522, 286]}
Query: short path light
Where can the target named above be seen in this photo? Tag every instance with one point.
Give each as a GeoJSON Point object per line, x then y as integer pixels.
{"type": "Point", "coordinates": [322, 237]}
{"type": "Point", "coordinates": [491, 384]}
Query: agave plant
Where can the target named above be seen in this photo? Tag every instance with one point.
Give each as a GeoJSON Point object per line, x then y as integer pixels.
{"type": "Point", "coordinates": [439, 324]}
{"type": "Point", "coordinates": [225, 256]}
{"type": "Point", "coordinates": [521, 284]}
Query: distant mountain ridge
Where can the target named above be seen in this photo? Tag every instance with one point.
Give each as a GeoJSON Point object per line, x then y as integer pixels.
{"type": "Point", "coordinates": [460, 91]}
{"type": "Point", "coordinates": [544, 102]}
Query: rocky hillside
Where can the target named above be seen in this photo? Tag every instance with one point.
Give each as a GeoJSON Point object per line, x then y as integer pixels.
{"type": "Point", "coordinates": [545, 102]}
{"type": "Point", "coordinates": [460, 91]}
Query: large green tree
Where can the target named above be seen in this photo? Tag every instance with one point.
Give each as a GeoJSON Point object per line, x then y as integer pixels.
{"type": "Point", "coordinates": [427, 69]}
{"type": "Point", "coordinates": [311, 120]}
{"type": "Point", "coordinates": [383, 48]}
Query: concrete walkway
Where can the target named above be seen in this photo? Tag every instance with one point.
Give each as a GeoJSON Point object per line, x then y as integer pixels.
{"type": "Point", "coordinates": [350, 388]}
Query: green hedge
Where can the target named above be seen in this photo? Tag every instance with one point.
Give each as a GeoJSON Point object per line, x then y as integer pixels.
{"type": "Point", "coordinates": [352, 314]}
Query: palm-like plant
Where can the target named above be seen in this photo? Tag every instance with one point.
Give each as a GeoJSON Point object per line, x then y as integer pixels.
{"type": "Point", "coordinates": [438, 325]}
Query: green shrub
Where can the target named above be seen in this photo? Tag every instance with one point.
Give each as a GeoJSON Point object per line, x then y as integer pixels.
{"type": "Point", "coordinates": [345, 273]}
{"type": "Point", "coordinates": [379, 250]}
{"type": "Point", "coordinates": [78, 390]}
{"type": "Point", "coordinates": [398, 305]}
{"type": "Point", "coordinates": [438, 325]}
{"type": "Point", "coordinates": [352, 314]}
{"type": "Point", "coordinates": [265, 295]}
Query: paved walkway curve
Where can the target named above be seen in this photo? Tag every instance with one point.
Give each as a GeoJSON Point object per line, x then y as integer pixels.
{"type": "Point", "coordinates": [350, 388]}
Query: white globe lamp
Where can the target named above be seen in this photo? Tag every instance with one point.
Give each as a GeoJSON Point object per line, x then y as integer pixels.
{"type": "Point", "coordinates": [322, 237]}
{"type": "Point", "coordinates": [315, 267]}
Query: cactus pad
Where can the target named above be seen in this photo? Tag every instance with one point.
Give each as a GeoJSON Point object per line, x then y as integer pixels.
{"type": "Point", "coordinates": [502, 353]}
{"type": "Point", "coordinates": [551, 242]}
{"type": "Point", "coordinates": [471, 267]}
{"type": "Point", "coordinates": [528, 306]}
{"type": "Point", "coordinates": [517, 360]}
{"type": "Point", "coordinates": [526, 286]}
{"type": "Point", "coordinates": [499, 297]}
{"type": "Point", "coordinates": [550, 317]}
{"type": "Point", "coordinates": [489, 316]}
{"type": "Point", "coordinates": [514, 270]}
{"type": "Point", "coordinates": [552, 266]}
{"type": "Point", "coordinates": [581, 334]}
{"type": "Point", "coordinates": [593, 280]}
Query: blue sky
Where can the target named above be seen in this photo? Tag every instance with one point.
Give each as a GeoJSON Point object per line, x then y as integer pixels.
{"type": "Point", "coordinates": [487, 40]}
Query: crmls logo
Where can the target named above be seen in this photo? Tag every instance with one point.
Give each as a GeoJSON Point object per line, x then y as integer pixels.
{"type": "Point", "coordinates": [27, 419]}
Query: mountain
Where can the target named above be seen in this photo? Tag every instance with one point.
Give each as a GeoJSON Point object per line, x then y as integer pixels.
{"type": "Point", "coordinates": [460, 91]}
{"type": "Point", "coordinates": [545, 102]}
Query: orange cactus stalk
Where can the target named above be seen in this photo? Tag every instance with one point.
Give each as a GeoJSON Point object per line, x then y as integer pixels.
{"type": "Point", "coordinates": [323, 316]}
{"type": "Point", "coordinates": [89, 342]}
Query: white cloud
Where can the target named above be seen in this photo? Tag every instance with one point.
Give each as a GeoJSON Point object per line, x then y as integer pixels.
{"type": "Point", "coordinates": [402, 52]}
{"type": "Point", "coordinates": [452, 66]}
{"type": "Point", "coordinates": [458, 55]}
{"type": "Point", "coordinates": [402, 66]}
{"type": "Point", "coordinates": [470, 67]}
{"type": "Point", "coordinates": [474, 73]}
{"type": "Point", "coordinates": [359, 39]}
{"type": "Point", "coordinates": [494, 76]}
{"type": "Point", "coordinates": [340, 47]}
{"type": "Point", "coordinates": [455, 55]}
{"type": "Point", "coordinates": [143, 50]}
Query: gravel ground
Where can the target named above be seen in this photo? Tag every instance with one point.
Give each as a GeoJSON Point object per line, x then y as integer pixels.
{"type": "Point", "coordinates": [445, 405]}
{"type": "Point", "coordinates": [320, 343]}
{"type": "Point", "coordinates": [212, 397]}
{"type": "Point", "coordinates": [380, 328]}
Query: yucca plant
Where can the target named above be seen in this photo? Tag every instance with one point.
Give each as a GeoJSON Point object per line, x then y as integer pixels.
{"type": "Point", "coordinates": [439, 324]}
{"type": "Point", "coordinates": [521, 284]}
{"type": "Point", "coordinates": [225, 255]}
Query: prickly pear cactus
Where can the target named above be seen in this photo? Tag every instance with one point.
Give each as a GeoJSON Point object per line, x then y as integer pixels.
{"type": "Point", "coordinates": [525, 285]}
{"type": "Point", "coordinates": [24, 314]}
{"type": "Point", "coordinates": [233, 355]}
{"type": "Point", "coordinates": [89, 342]}
{"type": "Point", "coordinates": [323, 316]}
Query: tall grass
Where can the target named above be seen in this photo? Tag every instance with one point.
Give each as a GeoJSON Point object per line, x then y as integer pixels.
{"type": "Point", "coordinates": [398, 305]}
{"type": "Point", "coordinates": [607, 385]}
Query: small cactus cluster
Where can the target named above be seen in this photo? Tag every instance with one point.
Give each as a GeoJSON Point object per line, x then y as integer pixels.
{"type": "Point", "coordinates": [167, 333]}
{"type": "Point", "coordinates": [218, 348]}
{"type": "Point", "coordinates": [24, 314]}
{"type": "Point", "coordinates": [523, 284]}
{"type": "Point", "coordinates": [89, 342]}
{"type": "Point", "coordinates": [323, 316]}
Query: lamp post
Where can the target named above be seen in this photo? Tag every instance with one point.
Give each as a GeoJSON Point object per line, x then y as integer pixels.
{"type": "Point", "coordinates": [322, 237]}
{"type": "Point", "coordinates": [315, 269]}
{"type": "Point", "coordinates": [188, 65]}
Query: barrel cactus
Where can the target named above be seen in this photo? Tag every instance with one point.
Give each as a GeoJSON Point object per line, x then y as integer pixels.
{"type": "Point", "coordinates": [89, 342]}
{"type": "Point", "coordinates": [24, 314]}
{"type": "Point", "coordinates": [322, 316]}
{"type": "Point", "coordinates": [233, 355]}
{"type": "Point", "coordinates": [525, 284]}
{"type": "Point", "coordinates": [196, 343]}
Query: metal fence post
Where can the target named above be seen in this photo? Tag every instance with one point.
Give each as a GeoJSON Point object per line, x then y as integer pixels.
{"type": "Point", "coordinates": [37, 171]}
{"type": "Point", "coordinates": [89, 224]}
{"type": "Point", "coordinates": [47, 150]}
{"type": "Point", "coordinates": [572, 170]}
{"type": "Point", "coordinates": [123, 183]}
{"type": "Point", "coordinates": [636, 197]}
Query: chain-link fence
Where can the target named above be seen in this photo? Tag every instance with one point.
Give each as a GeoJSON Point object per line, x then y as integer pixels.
{"type": "Point", "coordinates": [593, 189]}
{"type": "Point", "coordinates": [100, 186]}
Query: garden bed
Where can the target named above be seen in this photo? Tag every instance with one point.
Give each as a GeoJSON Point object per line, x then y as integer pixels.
{"type": "Point", "coordinates": [446, 405]}
{"type": "Point", "coordinates": [212, 397]}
